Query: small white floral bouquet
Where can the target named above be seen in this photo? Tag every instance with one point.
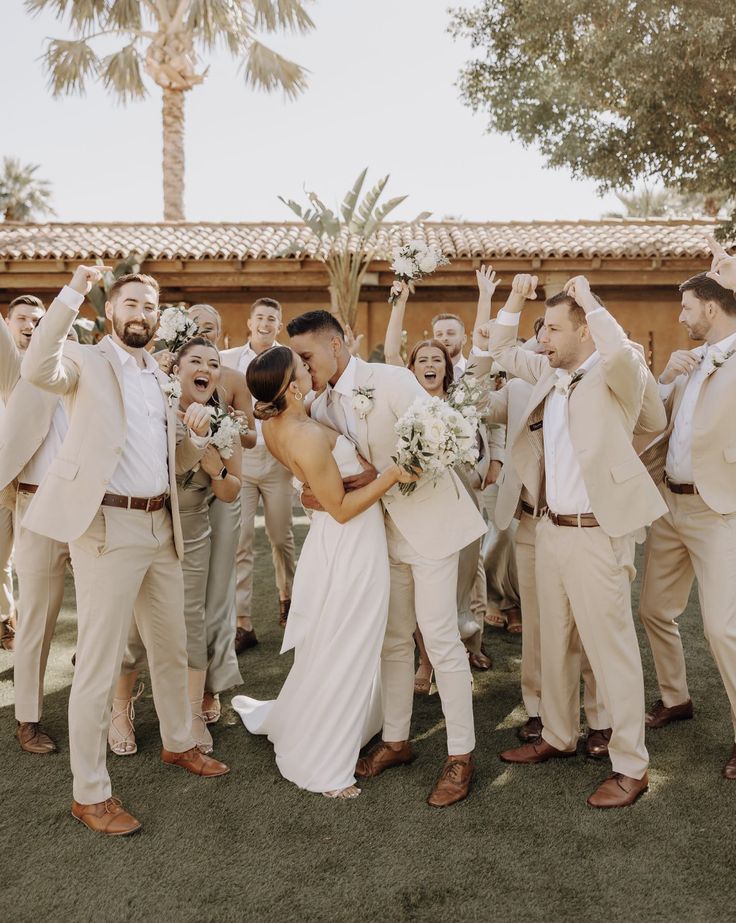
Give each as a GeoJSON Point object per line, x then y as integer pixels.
{"type": "Point", "coordinates": [172, 390]}
{"type": "Point", "coordinates": [433, 436]}
{"type": "Point", "coordinates": [413, 261]}
{"type": "Point", "coordinates": [225, 431]}
{"type": "Point", "coordinates": [470, 396]}
{"type": "Point", "coordinates": [175, 327]}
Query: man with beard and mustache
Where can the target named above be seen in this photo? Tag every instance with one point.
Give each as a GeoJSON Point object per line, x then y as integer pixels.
{"type": "Point", "coordinates": [105, 494]}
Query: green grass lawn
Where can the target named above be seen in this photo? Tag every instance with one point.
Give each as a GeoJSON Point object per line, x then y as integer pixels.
{"type": "Point", "coordinates": [251, 846]}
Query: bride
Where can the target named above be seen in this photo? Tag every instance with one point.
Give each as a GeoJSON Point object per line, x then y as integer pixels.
{"type": "Point", "coordinates": [340, 597]}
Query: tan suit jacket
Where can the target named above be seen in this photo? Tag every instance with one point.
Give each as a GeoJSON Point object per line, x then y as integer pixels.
{"type": "Point", "coordinates": [91, 378]}
{"type": "Point", "coordinates": [713, 434]}
{"type": "Point", "coordinates": [435, 519]}
{"type": "Point", "coordinates": [231, 357]}
{"type": "Point", "coordinates": [603, 410]}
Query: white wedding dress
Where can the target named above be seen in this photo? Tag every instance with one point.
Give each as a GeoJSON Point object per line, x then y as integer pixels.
{"type": "Point", "coordinates": [329, 704]}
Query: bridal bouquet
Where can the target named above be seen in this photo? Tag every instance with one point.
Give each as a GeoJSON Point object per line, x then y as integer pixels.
{"type": "Point", "coordinates": [413, 261]}
{"type": "Point", "coordinates": [470, 397]}
{"type": "Point", "coordinates": [175, 327]}
{"type": "Point", "coordinates": [434, 436]}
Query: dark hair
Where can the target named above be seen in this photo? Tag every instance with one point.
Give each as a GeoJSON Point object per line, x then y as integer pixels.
{"type": "Point", "coordinates": [30, 300]}
{"type": "Point", "coordinates": [706, 289]}
{"type": "Point", "coordinates": [131, 277]}
{"type": "Point", "coordinates": [576, 313]}
{"type": "Point", "coordinates": [214, 398]}
{"type": "Point", "coordinates": [538, 324]}
{"type": "Point", "coordinates": [267, 303]}
{"type": "Point", "coordinates": [438, 317]}
{"type": "Point", "coordinates": [269, 376]}
{"type": "Point", "coordinates": [435, 344]}
{"type": "Point", "coordinates": [315, 322]}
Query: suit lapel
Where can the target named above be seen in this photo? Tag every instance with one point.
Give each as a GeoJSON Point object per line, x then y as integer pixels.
{"type": "Point", "coordinates": [108, 351]}
{"type": "Point", "coordinates": [363, 379]}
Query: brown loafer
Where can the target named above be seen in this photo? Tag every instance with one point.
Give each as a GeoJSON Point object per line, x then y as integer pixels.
{"type": "Point", "coordinates": [537, 751]}
{"type": "Point", "coordinates": [284, 606]}
{"type": "Point", "coordinates": [531, 731]}
{"type": "Point", "coordinates": [245, 638]}
{"type": "Point", "coordinates": [729, 770]}
{"type": "Point", "coordinates": [618, 791]}
{"type": "Point", "coordinates": [196, 762]}
{"type": "Point", "coordinates": [32, 739]}
{"type": "Point", "coordinates": [108, 817]}
{"type": "Point", "coordinates": [596, 745]}
{"type": "Point", "coordinates": [454, 782]}
{"type": "Point", "coordinates": [383, 757]}
{"type": "Point", "coordinates": [659, 715]}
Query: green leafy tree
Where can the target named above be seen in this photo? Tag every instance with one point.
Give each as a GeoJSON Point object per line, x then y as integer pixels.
{"type": "Point", "coordinates": [164, 39]}
{"type": "Point", "coordinates": [614, 91]}
{"type": "Point", "coordinates": [23, 197]}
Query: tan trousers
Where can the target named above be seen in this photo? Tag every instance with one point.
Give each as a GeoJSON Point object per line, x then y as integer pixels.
{"type": "Point", "coordinates": [125, 561]}
{"type": "Point", "coordinates": [424, 593]}
{"type": "Point", "coordinates": [40, 564]}
{"type": "Point", "coordinates": [498, 554]}
{"type": "Point", "coordinates": [531, 653]}
{"type": "Point", "coordinates": [265, 478]}
{"type": "Point", "coordinates": [691, 540]}
{"type": "Point", "coordinates": [7, 603]}
{"type": "Point", "coordinates": [584, 590]}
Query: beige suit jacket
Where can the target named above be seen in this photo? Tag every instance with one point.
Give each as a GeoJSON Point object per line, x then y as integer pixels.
{"type": "Point", "coordinates": [603, 410]}
{"type": "Point", "coordinates": [231, 357]}
{"type": "Point", "coordinates": [436, 519]}
{"type": "Point", "coordinates": [713, 434]}
{"type": "Point", "coordinates": [91, 378]}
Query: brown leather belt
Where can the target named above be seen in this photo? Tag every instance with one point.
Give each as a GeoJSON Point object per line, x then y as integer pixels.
{"type": "Point", "coordinates": [577, 520]}
{"type": "Point", "coordinates": [145, 504]}
{"type": "Point", "coordinates": [528, 508]}
{"type": "Point", "coordinates": [27, 488]}
{"type": "Point", "coordinates": [680, 488]}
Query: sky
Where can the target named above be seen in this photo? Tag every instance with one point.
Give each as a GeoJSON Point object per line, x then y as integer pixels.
{"type": "Point", "coordinates": [381, 95]}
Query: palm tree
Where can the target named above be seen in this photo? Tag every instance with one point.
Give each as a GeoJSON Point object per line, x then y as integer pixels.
{"type": "Point", "coordinates": [161, 37]}
{"type": "Point", "coordinates": [22, 196]}
{"type": "Point", "coordinates": [665, 202]}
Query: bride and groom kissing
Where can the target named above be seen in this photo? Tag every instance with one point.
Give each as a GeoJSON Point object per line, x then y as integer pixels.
{"type": "Point", "coordinates": [369, 572]}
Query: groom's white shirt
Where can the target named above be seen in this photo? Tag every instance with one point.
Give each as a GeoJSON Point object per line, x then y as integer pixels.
{"type": "Point", "coordinates": [436, 519]}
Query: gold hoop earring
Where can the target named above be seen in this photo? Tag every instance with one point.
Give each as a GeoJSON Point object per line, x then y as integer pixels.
{"type": "Point", "coordinates": [298, 395]}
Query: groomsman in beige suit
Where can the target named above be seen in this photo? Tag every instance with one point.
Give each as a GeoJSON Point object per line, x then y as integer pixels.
{"type": "Point", "coordinates": [264, 479]}
{"type": "Point", "coordinates": [697, 536]}
{"type": "Point", "coordinates": [573, 452]}
{"type": "Point", "coordinates": [105, 494]}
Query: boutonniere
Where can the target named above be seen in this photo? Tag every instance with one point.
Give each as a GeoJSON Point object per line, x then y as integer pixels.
{"type": "Point", "coordinates": [566, 385]}
{"type": "Point", "coordinates": [172, 390]}
{"type": "Point", "coordinates": [363, 401]}
{"type": "Point", "coordinates": [717, 358]}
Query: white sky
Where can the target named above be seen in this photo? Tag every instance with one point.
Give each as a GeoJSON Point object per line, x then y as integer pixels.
{"type": "Point", "coordinates": [381, 95]}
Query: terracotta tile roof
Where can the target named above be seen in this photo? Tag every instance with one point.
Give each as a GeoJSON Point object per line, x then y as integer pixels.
{"type": "Point", "coordinates": [609, 238]}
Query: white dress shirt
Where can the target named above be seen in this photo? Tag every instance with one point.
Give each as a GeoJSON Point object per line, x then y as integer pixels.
{"type": "Point", "coordinates": [246, 357]}
{"type": "Point", "coordinates": [35, 470]}
{"type": "Point", "coordinates": [679, 463]}
{"type": "Point", "coordinates": [458, 370]}
{"type": "Point", "coordinates": [340, 400]}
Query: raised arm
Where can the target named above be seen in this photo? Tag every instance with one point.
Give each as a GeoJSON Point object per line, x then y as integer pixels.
{"type": "Point", "coordinates": [392, 343]}
{"type": "Point", "coordinates": [10, 361]}
{"type": "Point", "coordinates": [501, 336]}
{"type": "Point", "coordinates": [487, 283]}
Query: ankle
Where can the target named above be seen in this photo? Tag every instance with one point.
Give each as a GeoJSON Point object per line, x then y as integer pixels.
{"type": "Point", "coordinates": [396, 745]}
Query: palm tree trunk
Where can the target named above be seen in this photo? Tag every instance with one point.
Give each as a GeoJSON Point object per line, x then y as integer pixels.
{"type": "Point", "coordinates": [173, 124]}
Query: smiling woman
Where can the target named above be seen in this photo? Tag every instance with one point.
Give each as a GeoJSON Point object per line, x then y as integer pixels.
{"type": "Point", "coordinates": [432, 367]}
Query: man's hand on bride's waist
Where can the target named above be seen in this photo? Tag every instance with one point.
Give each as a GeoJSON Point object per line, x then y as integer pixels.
{"type": "Point", "coordinates": [368, 474]}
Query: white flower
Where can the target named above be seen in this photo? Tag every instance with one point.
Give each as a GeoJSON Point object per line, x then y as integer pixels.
{"type": "Point", "coordinates": [172, 390]}
{"type": "Point", "coordinates": [428, 262]}
{"type": "Point", "coordinates": [417, 244]}
{"type": "Point", "coordinates": [717, 358]}
{"type": "Point", "coordinates": [175, 327]}
{"type": "Point", "coordinates": [404, 266]}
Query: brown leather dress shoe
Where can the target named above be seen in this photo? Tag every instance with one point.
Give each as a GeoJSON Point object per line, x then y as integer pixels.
{"type": "Point", "coordinates": [538, 751]}
{"type": "Point", "coordinates": [530, 731]}
{"type": "Point", "coordinates": [454, 782]}
{"type": "Point", "coordinates": [659, 715]}
{"type": "Point", "coordinates": [284, 606]}
{"type": "Point", "coordinates": [596, 745]}
{"type": "Point", "coordinates": [245, 638]}
{"type": "Point", "coordinates": [32, 739]}
{"type": "Point", "coordinates": [108, 817]}
{"type": "Point", "coordinates": [729, 770]}
{"type": "Point", "coordinates": [195, 761]}
{"type": "Point", "coordinates": [618, 791]}
{"type": "Point", "coordinates": [382, 757]}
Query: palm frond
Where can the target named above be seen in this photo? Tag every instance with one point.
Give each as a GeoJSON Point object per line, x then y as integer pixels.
{"type": "Point", "coordinates": [365, 210]}
{"type": "Point", "coordinates": [84, 15]}
{"type": "Point", "coordinates": [121, 72]}
{"type": "Point", "coordinates": [372, 224]}
{"type": "Point", "coordinates": [22, 196]}
{"type": "Point", "coordinates": [348, 206]}
{"type": "Point", "coordinates": [272, 15]}
{"type": "Point", "coordinates": [69, 63]}
{"type": "Point", "coordinates": [267, 70]}
{"type": "Point", "coordinates": [209, 21]}
{"type": "Point", "coordinates": [125, 15]}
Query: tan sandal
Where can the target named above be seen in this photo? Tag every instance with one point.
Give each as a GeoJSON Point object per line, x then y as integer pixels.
{"type": "Point", "coordinates": [123, 743]}
{"type": "Point", "coordinates": [494, 618]}
{"type": "Point", "coordinates": [343, 794]}
{"type": "Point", "coordinates": [514, 625]}
{"type": "Point", "coordinates": [212, 714]}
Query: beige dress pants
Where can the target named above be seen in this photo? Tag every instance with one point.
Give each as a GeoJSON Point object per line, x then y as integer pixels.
{"type": "Point", "coordinates": [498, 554]}
{"type": "Point", "coordinates": [265, 478]}
{"type": "Point", "coordinates": [691, 540]}
{"type": "Point", "coordinates": [7, 603]}
{"type": "Point", "coordinates": [125, 561]}
{"type": "Point", "coordinates": [584, 590]}
{"type": "Point", "coordinates": [40, 564]}
{"type": "Point", "coordinates": [424, 593]}
{"type": "Point", "coordinates": [531, 653]}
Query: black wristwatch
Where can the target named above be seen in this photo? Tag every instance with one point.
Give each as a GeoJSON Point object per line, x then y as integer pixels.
{"type": "Point", "coordinates": [223, 474]}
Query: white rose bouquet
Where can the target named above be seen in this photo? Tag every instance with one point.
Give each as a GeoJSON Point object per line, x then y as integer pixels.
{"type": "Point", "coordinates": [470, 397]}
{"type": "Point", "coordinates": [413, 261]}
{"type": "Point", "coordinates": [225, 431]}
{"type": "Point", "coordinates": [433, 437]}
{"type": "Point", "coordinates": [175, 327]}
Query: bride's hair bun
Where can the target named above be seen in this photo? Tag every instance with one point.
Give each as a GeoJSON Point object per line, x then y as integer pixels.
{"type": "Point", "coordinates": [269, 376]}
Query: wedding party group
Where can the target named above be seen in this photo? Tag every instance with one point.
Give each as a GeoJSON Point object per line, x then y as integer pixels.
{"type": "Point", "coordinates": [445, 492]}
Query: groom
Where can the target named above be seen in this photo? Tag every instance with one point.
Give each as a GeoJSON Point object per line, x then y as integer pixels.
{"type": "Point", "coordinates": [425, 531]}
